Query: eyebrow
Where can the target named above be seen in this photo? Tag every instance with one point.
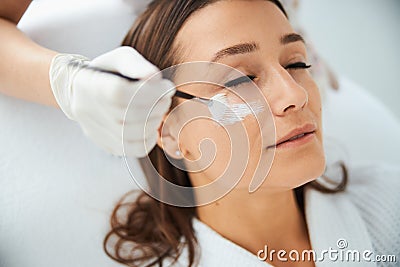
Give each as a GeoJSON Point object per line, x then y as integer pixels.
{"type": "Point", "coordinates": [291, 38]}
{"type": "Point", "coordinates": [245, 48]}
{"type": "Point", "coordinates": [235, 50]}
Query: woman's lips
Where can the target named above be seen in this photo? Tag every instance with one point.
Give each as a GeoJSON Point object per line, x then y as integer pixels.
{"type": "Point", "coordinates": [295, 141]}
{"type": "Point", "coordinates": [295, 136]}
{"type": "Point", "coordinates": [298, 141]}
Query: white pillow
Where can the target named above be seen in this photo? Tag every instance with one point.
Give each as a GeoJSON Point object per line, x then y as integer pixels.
{"type": "Point", "coordinates": [358, 127]}
{"type": "Point", "coordinates": [89, 28]}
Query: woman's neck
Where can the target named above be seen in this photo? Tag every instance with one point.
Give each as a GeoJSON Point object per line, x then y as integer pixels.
{"type": "Point", "coordinates": [262, 218]}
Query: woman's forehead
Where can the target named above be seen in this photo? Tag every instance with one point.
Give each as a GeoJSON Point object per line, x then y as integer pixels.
{"type": "Point", "coordinates": [227, 23]}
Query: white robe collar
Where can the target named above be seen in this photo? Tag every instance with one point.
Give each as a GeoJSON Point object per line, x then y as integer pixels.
{"type": "Point", "coordinates": [333, 217]}
{"type": "Point", "coordinates": [329, 217]}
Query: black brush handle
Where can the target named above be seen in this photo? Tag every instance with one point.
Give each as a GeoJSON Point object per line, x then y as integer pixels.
{"type": "Point", "coordinates": [113, 73]}
{"type": "Point", "coordinates": [177, 94]}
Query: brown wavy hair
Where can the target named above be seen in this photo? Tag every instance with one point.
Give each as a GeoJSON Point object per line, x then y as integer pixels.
{"type": "Point", "coordinates": [144, 231]}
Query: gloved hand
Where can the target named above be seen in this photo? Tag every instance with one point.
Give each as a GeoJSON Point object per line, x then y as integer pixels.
{"type": "Point", "coordinates": [98, 100]}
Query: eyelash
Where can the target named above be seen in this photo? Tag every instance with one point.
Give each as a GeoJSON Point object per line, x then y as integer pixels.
{"type": "Point", "coordinates": [244, 79]}
{"type": "Point", "coordinates": [240, 80]}
{"type": "Point", "coordinates": [298, 65]}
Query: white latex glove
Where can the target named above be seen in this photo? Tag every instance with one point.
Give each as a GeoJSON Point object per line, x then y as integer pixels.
{"type": "Point", "coordinates": [98, 100]}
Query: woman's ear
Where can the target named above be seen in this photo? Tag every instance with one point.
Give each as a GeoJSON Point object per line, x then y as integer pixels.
{"type": "Point", "coordinates": [168, 140]}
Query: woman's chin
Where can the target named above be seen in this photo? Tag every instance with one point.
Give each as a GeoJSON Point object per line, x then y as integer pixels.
{"type": "Point", "coordinates": [296, 174]}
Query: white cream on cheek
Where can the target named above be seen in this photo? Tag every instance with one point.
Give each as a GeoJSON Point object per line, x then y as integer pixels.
{"type": "Point", "coordinates": [230, 113]}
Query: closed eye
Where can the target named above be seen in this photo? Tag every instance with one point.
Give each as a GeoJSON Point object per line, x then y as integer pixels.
{"type": "Point", "coordinates": [239, 81]}
{"type": "Point", "coordinates": [249, 78]}
{"type": "Point", "coordinates": [298, 65]}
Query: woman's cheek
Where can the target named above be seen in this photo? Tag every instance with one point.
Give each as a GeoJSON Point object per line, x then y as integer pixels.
{"type": "Point", "coordinates": [209, 144]}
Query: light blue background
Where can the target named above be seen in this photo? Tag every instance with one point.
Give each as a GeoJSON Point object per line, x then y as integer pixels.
{"type": "Point", "coordinates": [361, 40]}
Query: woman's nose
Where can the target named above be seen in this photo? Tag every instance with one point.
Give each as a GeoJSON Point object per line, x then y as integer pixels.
{"type": "Point", "coordinates": [284, 94]}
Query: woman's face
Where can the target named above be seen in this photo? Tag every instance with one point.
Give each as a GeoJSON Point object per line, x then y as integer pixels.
{"type": "Point", "coordinates": [276, 61]}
